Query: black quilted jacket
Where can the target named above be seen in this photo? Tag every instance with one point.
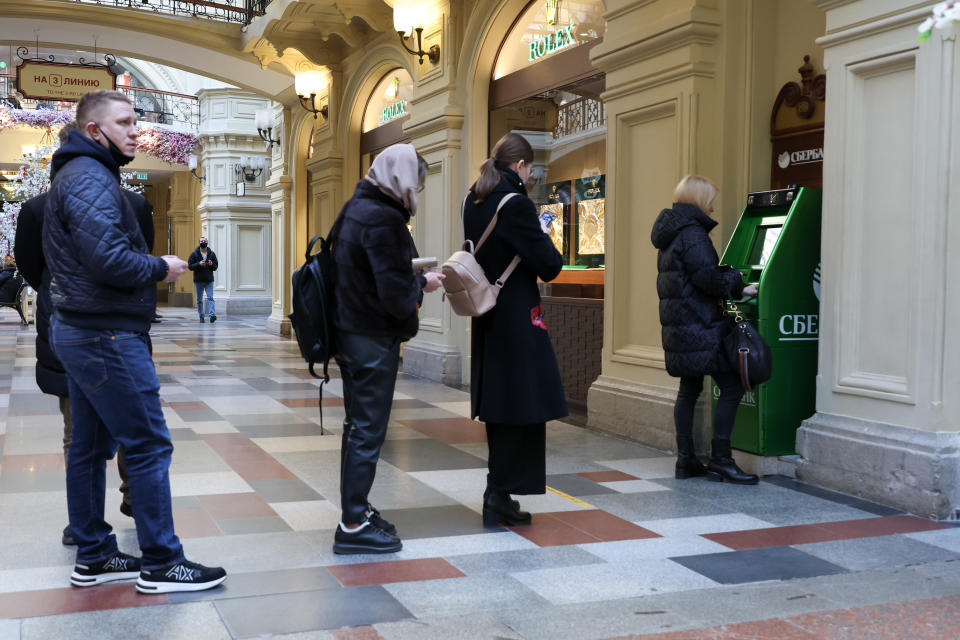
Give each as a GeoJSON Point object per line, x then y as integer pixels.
{"type": "Point", "coordinates": [376, 290]}
{"type": "Point", "coordinates": [690, 282]}
{"type": "Point", "coordinates": [101, 274]}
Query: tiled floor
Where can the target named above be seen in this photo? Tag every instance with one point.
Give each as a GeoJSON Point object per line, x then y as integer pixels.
{"type": "Point", "coordinates": [617, 547]}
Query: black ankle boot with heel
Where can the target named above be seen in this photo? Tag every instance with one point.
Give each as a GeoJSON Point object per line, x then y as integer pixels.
{"type": "Point", "coordinates": [723, 468]}
{"type": "Point", "coordinates": [499, 507]}
{"type": "Point", "coordinates": [688, 465]}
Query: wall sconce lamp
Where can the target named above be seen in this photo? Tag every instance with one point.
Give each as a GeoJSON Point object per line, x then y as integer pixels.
{"type": "Point", "coordinates": [250, 167]}
{"type": "Point", "coordinates": [309, 85]}
{"type": "Point", "coordinates": [265, 128]}
{"type": "Point", "coordinates": [408, 17]}
{"type": "Point", "coordinates": [194, 165]}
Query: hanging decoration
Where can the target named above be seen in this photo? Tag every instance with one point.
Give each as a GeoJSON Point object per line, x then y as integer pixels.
{"type": "Point", "coordinates": [155, 140]}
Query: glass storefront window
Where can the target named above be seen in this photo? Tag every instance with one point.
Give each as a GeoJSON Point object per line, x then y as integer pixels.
{"type": "Point", "coordinates": [547, 27]}
{"type": "Point", "coordinates": [567, 128]}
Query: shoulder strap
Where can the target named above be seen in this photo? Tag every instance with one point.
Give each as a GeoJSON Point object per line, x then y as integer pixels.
{"type": "Point", "coordinates": [493, 223]}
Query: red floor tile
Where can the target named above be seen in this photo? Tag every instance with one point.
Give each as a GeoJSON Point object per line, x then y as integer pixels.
{"type": "Point", "coordinates": [604, 526]}
{"type": "Point", "coordinates": [33, 462]}
{"type": "Point", "coordinates": [371, 573]}
{"type": "Point", "coordinates": [822, 532]}
{"type": "Point", "coordinates": [247, 459]}
{"type": "Point", "coordinates": [189, 406]}
{"type": "Point", "coordinates": [230, 506]}
{"type": "Point", "coordinates": [194, 523]}
{"type": "Point", "coordinates": [546, 531]}
{"type": "Point", "coordinates": [299, 403]}
{"type": "Point", "coordinates": [449, 430]}
{"type": "Point", "coordinates": [560, 528]}
{"type": "Point", "coordinates": [607, 476]}
{"type": "Point", "coordinates": [356, 633]}
{"type": "Point", "coordinates": [934, 618]}
{"type": "Point", "coordinates": [51, 602]}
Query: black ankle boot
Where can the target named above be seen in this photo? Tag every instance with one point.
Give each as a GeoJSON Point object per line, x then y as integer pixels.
{"type": "Point", "coordinates": [688, 465]}
{"type": "Point", "coordinates": [498, 507]}
{"type": "Point", "coordinates": [723, 467]}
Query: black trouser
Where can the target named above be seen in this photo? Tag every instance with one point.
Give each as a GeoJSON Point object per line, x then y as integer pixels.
{"type": "Point", "coordinates": [368, 367]}
{"type": "Point", "coordinates": [731, 392]}
{"type": "Point", "coordinates": [517, 460]}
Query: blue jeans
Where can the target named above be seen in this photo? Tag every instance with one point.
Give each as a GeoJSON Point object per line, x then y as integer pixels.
{"type": "Point", "coordinates": [208, 287]}
{"type": "Point", "coordinates": [115, 400]}
{"type": "Point", "coordinates": [368, 367]}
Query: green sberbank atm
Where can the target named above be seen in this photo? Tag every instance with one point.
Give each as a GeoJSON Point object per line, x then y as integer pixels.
{"type": "Point", "coordinates": [777, 245]}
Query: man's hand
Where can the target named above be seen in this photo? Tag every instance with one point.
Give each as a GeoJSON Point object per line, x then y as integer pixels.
{"type": "Point", "coordinates": [175, 268]}
{"type": "Point", "coordinates": [434, 281]}
{"type": "Point", "coordinates": [750, 290]}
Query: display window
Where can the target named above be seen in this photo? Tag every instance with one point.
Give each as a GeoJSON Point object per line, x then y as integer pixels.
{"type": "Point", "coordinates": [544, 88]}
{"type": "Point", "coordinates": [567, 128]}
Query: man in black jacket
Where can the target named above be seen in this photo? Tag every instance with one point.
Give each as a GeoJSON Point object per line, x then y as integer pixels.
{"type": "Point", "coordinates": [377, 295]}
{"type": "Point", "coordinates": [102, 283]}
{"type": "Point", "coordinates": [50, 375]}
{"type": "Point", "coordinates": [203, 262]}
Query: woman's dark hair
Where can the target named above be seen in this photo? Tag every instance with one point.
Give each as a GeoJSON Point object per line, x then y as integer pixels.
{"type": "Point", "coordinates": [509, 149]}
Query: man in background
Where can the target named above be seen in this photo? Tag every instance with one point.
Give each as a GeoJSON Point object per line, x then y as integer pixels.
{"type": "Point", "coordinates": [203, 262]}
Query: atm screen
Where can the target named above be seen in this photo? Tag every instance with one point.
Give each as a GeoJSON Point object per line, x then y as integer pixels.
{"type": "Point", "coordinates": [764, 243]}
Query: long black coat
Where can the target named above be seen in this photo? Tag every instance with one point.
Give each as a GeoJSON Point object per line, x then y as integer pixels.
{"type": "Point", "coordinates": [514, 374]}
{"type": "Point", "coordinates": [690, 283]}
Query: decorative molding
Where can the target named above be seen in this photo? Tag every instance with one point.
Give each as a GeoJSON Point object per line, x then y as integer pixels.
{"type": "Point", "coordinates": [860, 31]}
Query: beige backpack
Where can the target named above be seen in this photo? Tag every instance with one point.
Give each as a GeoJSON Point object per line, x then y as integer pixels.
{"type": "Point", "coordinates": [465, 284]}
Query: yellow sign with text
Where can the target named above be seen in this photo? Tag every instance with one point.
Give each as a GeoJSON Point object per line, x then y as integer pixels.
{"type": "Point", "coordinates": [65, 82]}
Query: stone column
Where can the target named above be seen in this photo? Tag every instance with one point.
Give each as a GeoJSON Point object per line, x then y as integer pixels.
{"type": "Point", "coordinates": [184, 231]}
{"type": "Point", "coordinates": [280, 187]}
{"type": "Point", "coordinates": [662, 97]}
{"type": "Point", "coordinates": [888, 414]}
{"type": "Point", "coordinates": [238, 227]}
{"type": "Point", "coordinates": [435, 129]}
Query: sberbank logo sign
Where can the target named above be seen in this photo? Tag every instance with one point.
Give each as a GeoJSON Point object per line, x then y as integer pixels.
{"type": "Point", "coordinates": [394, 110]}
{"type": "Point", "coordinates": [545, 45]}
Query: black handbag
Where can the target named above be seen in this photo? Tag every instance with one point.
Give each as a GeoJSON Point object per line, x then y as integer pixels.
{"type": "Point", "coordinates": [745, 350]}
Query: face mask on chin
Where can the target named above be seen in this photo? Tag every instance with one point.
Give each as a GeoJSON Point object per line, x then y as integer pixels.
{"type": "Point", "coordinates": [118, 156]}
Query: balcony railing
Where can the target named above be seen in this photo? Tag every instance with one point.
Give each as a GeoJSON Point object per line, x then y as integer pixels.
{"type": "Point", "coordinates": [239, 11]}
{"type": "Point", "coordinates": [176, 110]}
{"type": "Point", "coordinates": [580, 115]}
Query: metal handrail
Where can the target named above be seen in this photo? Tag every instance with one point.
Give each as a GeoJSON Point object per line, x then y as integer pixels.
{"type": "Point", "coordinates": [238, 11]}
{"type": "Point", "coordinates": [152, 105]}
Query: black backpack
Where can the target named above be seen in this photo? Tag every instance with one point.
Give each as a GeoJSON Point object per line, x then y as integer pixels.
{"type": "Point", "coordinates": [313, 303]}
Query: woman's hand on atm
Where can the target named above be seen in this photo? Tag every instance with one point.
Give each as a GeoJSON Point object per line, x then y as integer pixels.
{"type": "Point", "coordinates": [750, 290]}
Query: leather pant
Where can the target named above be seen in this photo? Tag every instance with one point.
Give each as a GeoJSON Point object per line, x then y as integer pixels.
{"type": "Point", "coordinates": [368, 367]}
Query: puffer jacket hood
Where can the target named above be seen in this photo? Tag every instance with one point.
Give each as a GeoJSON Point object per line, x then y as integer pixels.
{"type": "Point", "coordinates": [671, 221]}
{"type": "Point", "coordinates": [690, 282]}
{"type": "Point", "coordinates": [78, 145]}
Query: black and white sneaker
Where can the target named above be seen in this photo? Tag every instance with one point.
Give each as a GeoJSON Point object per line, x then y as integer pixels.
{"type": "Point", "coordinates": [367, 538]}
{"type": "Point", "coordinates": [183, 576]}
{"type": "Point", "coordinates": [119, 567]}
{"type": "Point", "coordinates": [380, 522]}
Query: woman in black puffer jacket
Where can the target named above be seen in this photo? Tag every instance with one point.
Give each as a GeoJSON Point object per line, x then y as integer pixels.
{"type": "Point", "coordinates": [690, 284]}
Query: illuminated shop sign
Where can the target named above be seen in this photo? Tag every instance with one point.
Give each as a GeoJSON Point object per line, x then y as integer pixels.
{"type": "Point", "coordinates": [545, 45]}
{"type": "Point", "coordinates": [394, 110]}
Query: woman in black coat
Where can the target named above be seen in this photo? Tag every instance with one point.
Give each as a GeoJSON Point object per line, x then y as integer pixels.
{"type": "Point", "coordinates": [691, 283]}
{"type": "Point", "coordinates": [515, 384]}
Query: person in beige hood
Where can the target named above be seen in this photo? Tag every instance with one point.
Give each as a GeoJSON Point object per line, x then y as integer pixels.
{"type": "Point", "coordinates": [377, 296]}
